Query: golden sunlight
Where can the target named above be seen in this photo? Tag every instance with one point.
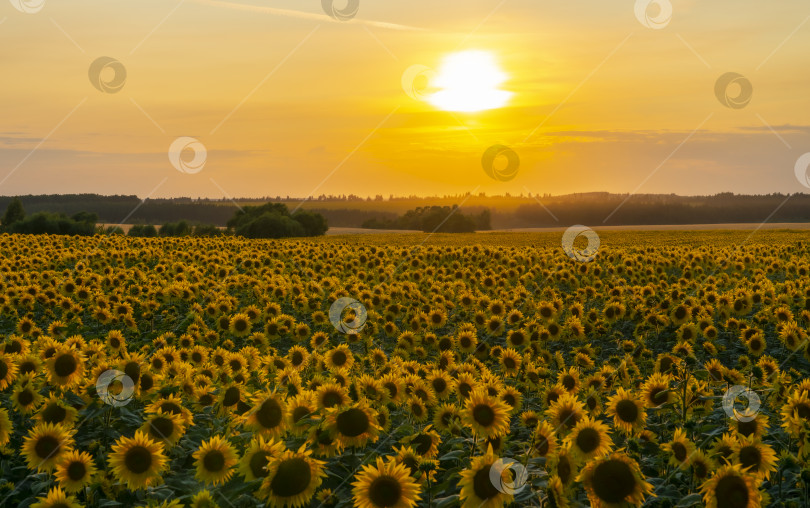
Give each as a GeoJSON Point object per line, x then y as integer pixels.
{"type": "Point", "coordinates": [468, 81]}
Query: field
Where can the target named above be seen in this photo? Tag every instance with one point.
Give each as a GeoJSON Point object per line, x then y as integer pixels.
{"type": "Point", "coordinates": [404, 370]}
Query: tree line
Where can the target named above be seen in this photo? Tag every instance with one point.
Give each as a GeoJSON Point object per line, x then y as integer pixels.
{"type": "Point", "coordinates": [438, 219]}
{"type": "Point", "coordinates": [505, 211]}
{"type": "Point", "coordinates": [272, 220]}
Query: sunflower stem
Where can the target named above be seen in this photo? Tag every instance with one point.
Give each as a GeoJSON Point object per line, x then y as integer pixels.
{"type": "Point", "coordinates": [683, 402]}
{"type": "Point", "coordinates": [528, 451]}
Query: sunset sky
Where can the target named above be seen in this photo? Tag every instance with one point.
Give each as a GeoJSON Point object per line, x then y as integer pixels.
{"type": "Point", "coordinates": [290, 101]}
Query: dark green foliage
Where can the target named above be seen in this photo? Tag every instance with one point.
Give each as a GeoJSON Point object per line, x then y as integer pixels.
{"type": "Point", "coordinates": [314, 223]}
{"type": "Point", "coordinates": [143, 230]}
{"type": "Point", "coordinates": [207, 230]}
{"type": "Point", "coordinates": [273, 220]}
{"type": "Point", "coordinates": [14, 213]}
{"type": "Point", "coordinates": [181, 228]}
{"type": "Point", "coordinates": [438, 219]}
{"type": "Point", "coordinates": [111, 230]}
{"type": "Point", "coordinates": [55, 224]}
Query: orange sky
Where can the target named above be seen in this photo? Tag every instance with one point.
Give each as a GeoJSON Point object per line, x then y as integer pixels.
{"type": "Point", "coordinates": [289, 101]}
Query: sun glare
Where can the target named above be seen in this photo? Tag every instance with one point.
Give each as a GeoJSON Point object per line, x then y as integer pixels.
{"type": "Point", "coordinates": [468, 81]}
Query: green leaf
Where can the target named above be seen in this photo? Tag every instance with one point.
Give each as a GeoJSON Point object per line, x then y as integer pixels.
{"type": "Point", "coordinates": [456, 454]}
{"type": "Point", "coordinates": [690, 500]}
{"type": "Point", "coordinates": [446, 501]}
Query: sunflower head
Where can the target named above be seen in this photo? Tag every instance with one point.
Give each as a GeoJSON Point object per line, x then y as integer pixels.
{"type": "Point", "coordinates": [477, 488]}
{"type": "Point", "coordinates": [731, 487]}
{"type": "Point", "coordinates": [292, 479]}
{"type": "Point", "coordinates": [613, 480]}
{"type": "Point", "coordinates": [215, 459]}
{"type": "Point", "coordinates": [46, 445]}
{"type": "Point", "coordinates": [138, 461]}
{"type": "Point", "coordinates": [487, 416]}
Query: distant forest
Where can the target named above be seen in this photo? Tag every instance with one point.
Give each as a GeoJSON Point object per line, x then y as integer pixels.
{"type": "Point", "coordinates": [521, 211]}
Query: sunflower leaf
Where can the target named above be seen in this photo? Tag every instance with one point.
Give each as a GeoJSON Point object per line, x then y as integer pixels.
{"type": "Point", "coordinates": [446, 501]}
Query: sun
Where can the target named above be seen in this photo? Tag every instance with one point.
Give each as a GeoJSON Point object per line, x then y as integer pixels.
{"type": "Point", "coordinates": [468, 81]}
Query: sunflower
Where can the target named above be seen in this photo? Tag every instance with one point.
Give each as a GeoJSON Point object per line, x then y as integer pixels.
{"type": "Point", "coordinates": [56, 410]}
{"type": "Point", "coordinates": [756, 344]}
{"type": "Point", "coordinates": [552, 394]}
{"type": "Point", "coordinates": [56, 498]}
{"type": "Point", "coordinates": [702, 465]}
{"type": "Point", "coordinates": [723, 448]}
{"type": "Point", "coordinates": [569, 379]}
{"type": "Point", "coordinates": [5, 427]}
{"type": "Point", "coordinates": [655, 390]}
{"type": "Point", "coordinates": [563, 465]}
{"type": "Point", "coordinates": [370, 387]}
{"type": "Point", "coordinates": [556, 495]}
{"type": "Point", "coordinates": [45, 445]}
{"type": "Point", "coordinates": [339, 357]}
{"type": "Point", "coordinates": [593, 402]}
{"type": "Point", "coordinates": [137, 461]}
{"type": "Point", "coordinates": [407, 456]}
{"type": "Point", "coordinates": [253, 464]}
{"type": "Point", "coordinates": [292, 479]}
{"type": "Point", "coordinates": [566, 411]}
{"type": "Point", "coordinates": [324, 444]}
{"type": "Point", "coordinates": [681, 449]}
{"type": "Point", "coordinates": [25, 396]}
{"type": "Point", "coordinates": [231, 397]}
{"type": "Point", "coordinates": [627, 410]}
{"type": "Point", "coordinates": [733, 488]}
{"type": "Point", "coordinates": [544, 440]}
{"type": "Point", "coordinates": [418, 387]}
{"type": "Point", "coordinates": [666, 363]}
{"type": "Point", "coordinates": [171, 404]}
{"type": "Point", "coordinates": [203, 499]}
{"type": "Point", "coordinates": [477, 489]}
{"type": "Point", "coordinates": [239, 325]}
{"type": "Point", "coordinates": [756, 426]}
{"type": "Point", "coordinates": [465, 384]}
{"type": "Point", "coordinates": [425, 443]}
{"type": "Point", "coordinates": [267, 415]}
{"type": "Point", "coordinates": [614, 481]}
{"type": "Point", "coordinates": [529, 419]}
{"type": "Point", "coordinates": [417, 409]}
{"type": "Point", "coordinates": [510, 361]}
{"type": "Point", "coordinates": [441, 383]}
{"type": "Point", "coordinates": [299, 408]}
{"type": "Point", "coordinates": [446, 417]}
{"type": "Point", "coordinates": [8, 371]}
{"type": "Point", "coordinates": [755, 457]}
{"type": "Point", "coordinates": [65, 368]}
{"type": "Point", "coordinates": [386, 484]}
{"type": "Point", "coordinates": [796, 412]}
{"type": "Point", "coordinates": [164, 427]}
{"type": "Point", "coordinates": [467, 341]}
{"type": "Point", "coordinates": [116, 341]}
{"type": "Point", "coordinates": [590, 439]}
{"type": "Point", "coordinates": [215, 460]}
{"type": "Point", "coordinates": [511, 396]}
{"type": "Point", "coordinates": [330, 395]}
{"type": "Point", "coordinates": [354, 425]}
{"type": "Point", "coordinates": [487, 416]}
{"type": "Point", "coordinates": [75, 470]}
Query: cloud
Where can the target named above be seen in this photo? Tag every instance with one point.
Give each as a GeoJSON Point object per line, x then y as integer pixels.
{"type": "Point", "coordinates": [15, 141]}
{"type": "Point", "coordinates": [301, 14]}
{"type": "Point", "coordinates": [779, 128]}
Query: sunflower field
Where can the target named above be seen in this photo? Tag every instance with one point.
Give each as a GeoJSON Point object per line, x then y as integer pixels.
{"type": "Point", "coordinates": [479, 370]}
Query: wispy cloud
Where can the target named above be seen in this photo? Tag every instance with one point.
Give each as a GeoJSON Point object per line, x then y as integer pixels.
{"type": "Point", "coordinates": [779, 128]}
{"type": "Point", "coordinates": [291, 13]}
